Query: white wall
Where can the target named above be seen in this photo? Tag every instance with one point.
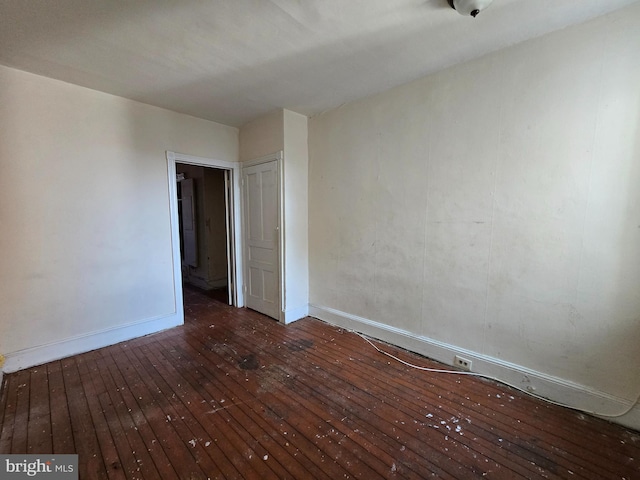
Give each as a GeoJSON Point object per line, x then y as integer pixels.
{"type": "Point", "coordinates": [263, 136]}
{"type": "Point", "coordinates": [216, 226]}
{"type": "Point", "coordinates": [86, 242]}
{"type": "Point", "coordinates": [296, 215]}
{"type": "Point", "coordinates": [493, 209]}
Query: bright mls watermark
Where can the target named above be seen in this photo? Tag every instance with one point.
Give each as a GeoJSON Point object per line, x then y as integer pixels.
{"type": "Point", "coordinates": [52, 467]}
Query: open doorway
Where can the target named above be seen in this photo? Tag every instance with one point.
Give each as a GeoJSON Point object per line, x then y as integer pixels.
{"type": "Point", "coordinates": [204, 197]}
{"type": "Point", "coordinates": [203, 218]}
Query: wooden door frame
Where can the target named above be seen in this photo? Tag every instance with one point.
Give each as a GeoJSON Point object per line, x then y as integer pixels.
{"type": "Point", "coordinates": [277, 157]}
{"type": "Point", "coordinates": [235, 229]}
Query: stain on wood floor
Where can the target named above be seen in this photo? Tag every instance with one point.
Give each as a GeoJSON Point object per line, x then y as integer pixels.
{"type": "Point", "coordinates": [233, 394]}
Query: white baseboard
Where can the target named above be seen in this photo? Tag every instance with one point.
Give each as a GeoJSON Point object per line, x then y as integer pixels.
{"type": "Point", "coordinates": [30, 357]}
{"type": "Point", "coordinates": [547, 386]}
{"type": "Point", "coordinates": [197, 282]}
{"type": "Point", "coordinates": [219, 283]}
{"type": "Point", "coordinates": [292, 314]}
{"type": "Point", "coordinates": [206, 284]}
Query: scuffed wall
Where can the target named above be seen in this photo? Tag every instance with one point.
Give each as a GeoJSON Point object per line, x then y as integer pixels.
{"type": "Point", "coordinates": [494, 206]}
{"type": "Point", "coordinates": [84, 208]}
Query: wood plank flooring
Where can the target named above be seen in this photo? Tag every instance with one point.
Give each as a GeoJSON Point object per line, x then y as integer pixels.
{"type": "Point", "coordinates": [233, 394]}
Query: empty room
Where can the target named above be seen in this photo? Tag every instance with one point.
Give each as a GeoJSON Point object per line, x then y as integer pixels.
{"type": "Point", "coordinates": [320, 239]}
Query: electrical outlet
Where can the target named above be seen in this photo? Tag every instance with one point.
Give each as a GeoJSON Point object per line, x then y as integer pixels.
{"type": "Point", "coordinates": [462, 363]}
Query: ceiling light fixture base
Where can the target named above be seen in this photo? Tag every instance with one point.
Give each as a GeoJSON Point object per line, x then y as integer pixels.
{"type": "Point", "coordinates": [469, 7]}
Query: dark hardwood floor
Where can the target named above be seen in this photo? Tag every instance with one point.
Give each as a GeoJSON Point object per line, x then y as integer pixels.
{"type": "Point", "coordinates": [233, 394]}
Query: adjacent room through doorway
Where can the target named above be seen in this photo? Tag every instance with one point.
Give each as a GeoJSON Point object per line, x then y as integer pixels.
{"type": "Point", "coordinates": [203, 209]}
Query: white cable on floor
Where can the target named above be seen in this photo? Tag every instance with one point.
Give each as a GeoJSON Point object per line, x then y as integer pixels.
{"type": "Point", "coordinates": [455, 372]}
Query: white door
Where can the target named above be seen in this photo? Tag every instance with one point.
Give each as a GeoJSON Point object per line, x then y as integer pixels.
{"type": "Point", "coordinates": [189, 231]}
{"type": "Point", "coordinates": [260, 191]}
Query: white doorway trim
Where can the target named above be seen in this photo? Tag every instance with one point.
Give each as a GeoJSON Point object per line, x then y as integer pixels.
{"type": "Point", "coordinates": [234, 228]}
